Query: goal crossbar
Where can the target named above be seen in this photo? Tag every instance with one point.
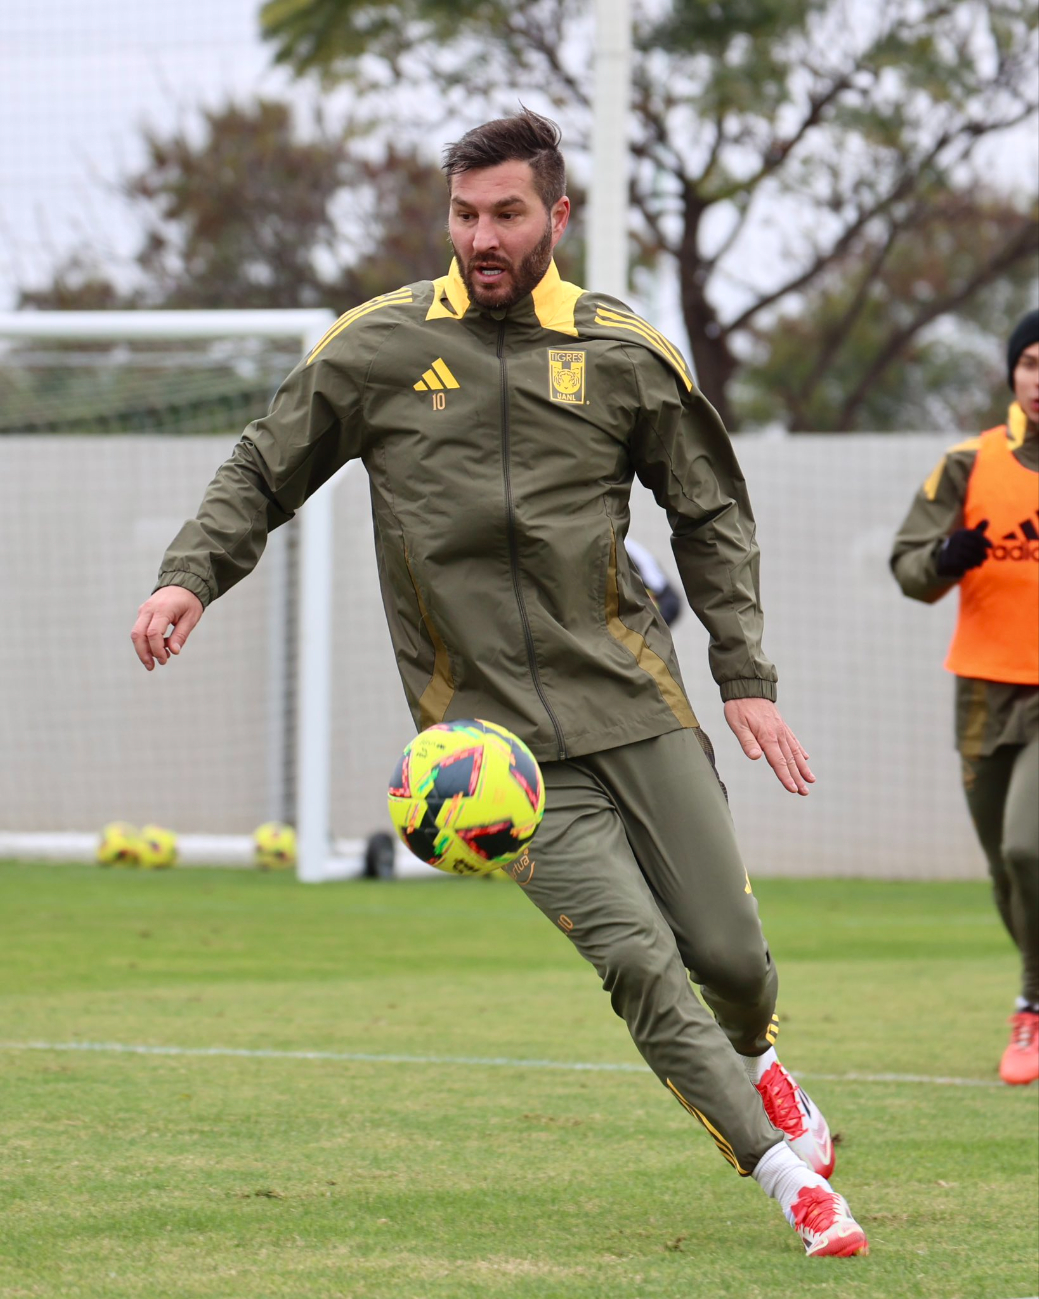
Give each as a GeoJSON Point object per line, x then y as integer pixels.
{"type": "Point", "coordinates": [305, 323]}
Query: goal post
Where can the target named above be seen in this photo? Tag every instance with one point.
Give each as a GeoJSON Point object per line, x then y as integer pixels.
{"type": "Point", "coordinates": [106, 421]}
{"type": "Point", "coordinates": [608, 191]}
{"type": "Point", "coordinates": [283, 733]}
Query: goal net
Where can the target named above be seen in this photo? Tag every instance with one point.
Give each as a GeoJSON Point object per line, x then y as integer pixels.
{"type": "Point", "coordinates": [111, 425]}
{"type": "Point", "coordinates": [288, 705]}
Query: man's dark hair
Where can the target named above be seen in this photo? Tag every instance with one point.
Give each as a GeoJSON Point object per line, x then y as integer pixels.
{"type": "Point", "coordinates": [524, 137]}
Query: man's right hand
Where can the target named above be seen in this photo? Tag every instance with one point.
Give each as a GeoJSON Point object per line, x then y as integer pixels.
{"type": "Point", "coordinates": [963, 550]}
{"type": "Point", "coordinates": [169, 605]}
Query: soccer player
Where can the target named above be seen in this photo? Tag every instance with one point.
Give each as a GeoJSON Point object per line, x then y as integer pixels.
{"type": "Point", "coordinates": [501, 415]}
{"type": "Point", "coordinates": [975, 524]}
{"type": "Point", "coordinates": [644, 565]}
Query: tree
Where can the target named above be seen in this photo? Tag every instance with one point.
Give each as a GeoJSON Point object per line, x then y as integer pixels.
{"type": "Point", "coordinates": [830, 365]}
{"type": "Point", "coordinates": [253, 216]}
{"type": "Point", "coordinates": [245, 213]}
{"type": "Point", "coordinates": [241, 219]}
{"type": "Point", "coordinates": [80, 283]}
{"type": "Point", "coordinates": [778, 146]}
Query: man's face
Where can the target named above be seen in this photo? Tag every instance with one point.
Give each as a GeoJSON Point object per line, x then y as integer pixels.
{"type": "Point", "coordinates": [501, 233]}
{"type": "Point", "coordinates": [1026, 382]}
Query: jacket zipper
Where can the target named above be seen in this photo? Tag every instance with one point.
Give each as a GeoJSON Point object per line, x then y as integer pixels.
{"type": "Point", "coordinates": [510, 521]}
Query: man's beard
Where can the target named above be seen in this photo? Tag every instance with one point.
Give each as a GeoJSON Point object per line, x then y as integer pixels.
{"type": "Point", "coordinates": [525, 276]}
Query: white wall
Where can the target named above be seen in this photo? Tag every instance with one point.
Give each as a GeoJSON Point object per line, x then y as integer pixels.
{"type": "Point", "coordinates": [87, 736]}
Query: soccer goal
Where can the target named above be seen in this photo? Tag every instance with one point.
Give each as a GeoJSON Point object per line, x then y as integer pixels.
{"type": "Point", "coordinates": [286, 707]}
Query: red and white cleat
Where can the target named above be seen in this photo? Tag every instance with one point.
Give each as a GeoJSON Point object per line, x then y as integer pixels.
{"type": "Point", "coordinates": [790, 1109]}
{"type": "Point", "coordinates": [1020, 1063]}
{"type": "Point", "coordinates": [823, 1221]}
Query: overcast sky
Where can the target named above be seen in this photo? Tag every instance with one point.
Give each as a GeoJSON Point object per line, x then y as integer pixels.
{"type": "Point", "coordinates": [77, 83]}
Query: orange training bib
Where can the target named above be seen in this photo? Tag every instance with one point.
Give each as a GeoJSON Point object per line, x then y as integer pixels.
{"type": "Point", "coordinates": [997, 634]}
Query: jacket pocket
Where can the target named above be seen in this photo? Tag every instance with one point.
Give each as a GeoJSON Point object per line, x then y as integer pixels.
{"type": "Point", "coordinates": [646, 659]}
{"type": "Point", "coordinates": [434, 701]}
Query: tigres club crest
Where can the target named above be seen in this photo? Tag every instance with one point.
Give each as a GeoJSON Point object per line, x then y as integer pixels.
{"type": "Point", "coordinates": [566, 376]}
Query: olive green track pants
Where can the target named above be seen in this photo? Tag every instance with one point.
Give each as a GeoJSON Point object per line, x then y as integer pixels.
{"type": "Point", "coordinates": [1003, 796]}
{"type": "Point", "coordinates": [636, 861]}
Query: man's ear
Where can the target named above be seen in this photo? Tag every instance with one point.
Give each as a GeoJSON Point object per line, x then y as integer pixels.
{"type": "Point", "coordinates": [560, 216]}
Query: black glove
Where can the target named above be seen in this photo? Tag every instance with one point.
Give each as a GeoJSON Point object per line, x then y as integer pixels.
{"type": "Point", "coordinates": [668, 603]}
{"type": "Point", "coordinates": [963, 550]}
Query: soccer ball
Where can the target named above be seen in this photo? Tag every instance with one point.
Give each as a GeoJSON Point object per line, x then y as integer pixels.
{"type": "Point", "coordinates": [118, 845]}
{"type": "Point", "coordinates": [466, 796]}
{"type": "Point", "coordinates": [274, 846]}
{"type": "Point", "coordinates": [157, 848]}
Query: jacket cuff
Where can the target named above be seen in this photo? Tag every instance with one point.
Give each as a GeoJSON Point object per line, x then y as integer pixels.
{"type": "Point", "coordinates": [190, 581]}
{"type": "Point", "coordinates": [748, 688]}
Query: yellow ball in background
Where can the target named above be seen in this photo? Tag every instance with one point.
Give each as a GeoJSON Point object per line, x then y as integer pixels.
{"type": "Point", "coordinates": [274, 846]}
{"type": "Point", "coordinates": [119, 844]}
{"type": "Point", "coordinates": [157, 848]}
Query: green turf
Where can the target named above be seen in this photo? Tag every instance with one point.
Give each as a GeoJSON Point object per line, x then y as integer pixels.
{"type": "Point", "coordinates": [241, 1177]}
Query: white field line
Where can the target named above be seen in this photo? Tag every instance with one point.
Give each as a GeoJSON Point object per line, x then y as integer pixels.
{"type": "Point", "coordinates": [492, 1062]}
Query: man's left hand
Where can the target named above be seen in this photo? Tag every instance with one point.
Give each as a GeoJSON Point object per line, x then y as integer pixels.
{"type": "Point", "coordinates": [760, 729]}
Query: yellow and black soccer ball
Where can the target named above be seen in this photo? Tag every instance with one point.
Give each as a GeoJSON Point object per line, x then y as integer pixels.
{"type": "Point", "coordinates": [119, 844]}
{"type": "Point", "coordinates": [274, 846]}
{"type": "Point", "coordinates": [156, 848]}
{"type": "Point", "coordinates": [466, 796]}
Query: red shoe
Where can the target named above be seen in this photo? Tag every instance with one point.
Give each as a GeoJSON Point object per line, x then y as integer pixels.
{"type": "Point", "coordinates": [789, 1108]}
{"type": "Point", "coordinates": [1020, 1063]}
{"type": "Point", "coordinates": [823, 1221]}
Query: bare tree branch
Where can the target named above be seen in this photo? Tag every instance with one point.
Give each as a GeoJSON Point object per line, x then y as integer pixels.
{"type": "Point", "coordinates": [778, 151]}
{"type": "Point", "coordinates": [534, 35]}
{"type": "Point", "coordinates": [1018, 248]}
{"type": "Point", "coordinates": [835, 251]}
{"type": "Point", "coordinates": [836, 338]}
{"type": "Point", "coordinates": [908, 180]}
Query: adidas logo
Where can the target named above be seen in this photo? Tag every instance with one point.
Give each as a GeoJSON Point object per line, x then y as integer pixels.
{"type": "Point", "coordinates": [1022, 543]}
{"type": "Point", "coordinates": [437, 378]}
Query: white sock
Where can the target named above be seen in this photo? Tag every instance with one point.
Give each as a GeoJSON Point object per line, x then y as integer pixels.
{"type": "Point", "coordinates": [756, 1065]}
{"type": "Point", "coordinates": [782, 1175]}
{"type": "Point", "coordinates": [1022, 1003]}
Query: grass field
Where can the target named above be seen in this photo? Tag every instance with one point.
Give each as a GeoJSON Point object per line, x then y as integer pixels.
{"type": "Point", "coordinates": [391, 1128]}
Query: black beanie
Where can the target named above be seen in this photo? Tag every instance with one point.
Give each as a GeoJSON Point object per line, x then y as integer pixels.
{"type": "Point", "coordinates": [1026, 333]}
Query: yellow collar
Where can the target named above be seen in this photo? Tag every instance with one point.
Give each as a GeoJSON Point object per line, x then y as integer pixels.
{"type": "Point", "coordinates": [455, 290]}
{"type": "Point", "coordinates": [553, 298]}
{"type": "Point", "coordinates": [1017, 425]}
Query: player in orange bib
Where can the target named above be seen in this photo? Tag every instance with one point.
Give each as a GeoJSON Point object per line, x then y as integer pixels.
{"type": "Point", "coordinates": [975, 524]}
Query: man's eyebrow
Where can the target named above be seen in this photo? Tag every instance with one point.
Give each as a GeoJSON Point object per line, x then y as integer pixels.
{"type": "Point", "coordinates": [515, 200]}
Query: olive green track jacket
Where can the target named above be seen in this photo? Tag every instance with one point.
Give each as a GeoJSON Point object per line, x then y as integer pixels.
{"type": "Point", "coordinates": [988, 713]}
{"type": "Point", "coordinates": [501, 447]}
